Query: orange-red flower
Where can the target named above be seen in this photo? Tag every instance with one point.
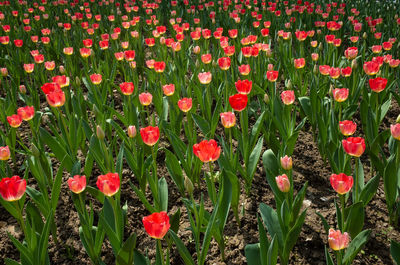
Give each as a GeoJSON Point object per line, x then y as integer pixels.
{"type": "Point", "coordinates": [238, 102]}
{"type": "Point", "coordinates": [286, 162]}
{"type": "Point", "coordinates": [56, 98]}
{"type": "Point", "coordinates": [12, 189]}
{"type": "Point", "coordinates": [228, 119]}
{"type": "Point", "coordinates": [243, 86]}
{"type": "Point", "coordinates": [347, 127]}
{"type": "Point", "coordinates": [159, 67]}
{"type": "Point", "coordinates": [26, 113]}
{"type": "Point", "coordinates": [334, 72]}
{"type": "Point", "coordinates": [96, 78]}
{"type": "Point", "coordinates": [127, 88]}
{"type": "Point", "coordinates": [145, 98]}
{"type": "Point", "coordinates": [129, 55]}
{"type": "Point", "coordinates": [244, 69]}
{"type": "Point", "coordinates": [29, 67]}
{"type": "Point", "coordinates": [77, 184]}
{"type": "Point", "coordinates": [324, 69]}
{"type": "Point", "coordinates": [346, 72]}
{"type": "Point", "coordinates": [62, 80]}
{"type": "Point", "coordinates": [394, 130]}
{"type": "Point", "coordinates": [378, 84]}
{"type": "Point", "coordinates": [150, 135]}
{"type": "Point", "coordinates": [156, 224]}
{"type": "Point", "coordinates": [371, 68]}
{"type": "Point", "coordinates": [108, 184]}
{"type": "Point", "coordinates": [340, 94]}
{"type": "Point", "coordinates": [185, 104]}
{"type": "Point", "coordinates": [354, 146]}
{"type": "Point", "coordinates": [168, 89]}
{"type": "Point", "coordinates": [4, 153]}
{"type": "Point", "coordinates": [287, 97]}
{"type": "Point", "coordinates": [351, 53]}
{"type": "Point", "coordinates": [206, 58]}
{"type": "Point", "coordinates": [224, 63]}
{"type": "Point", "coordinates": [14, 120]}
{"type": "Point", "coordinates": [337, 240]}
{"type": "Point", "coordinates": [207, 151]}
{"type": "Point", "coordinates": [341, 183]}
{"type": "Point", "coordinates": [283, 183]}
{"type": "Point", "coordinates": [272, 75]}
{"type": "Point", "coordinates": [299, 63]}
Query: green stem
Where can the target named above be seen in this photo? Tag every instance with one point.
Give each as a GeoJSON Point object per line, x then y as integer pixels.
{"type": "Point", "coordinates": [20, 218]}
{"type": "Point", "coordinates": [343, 204]}
{"type": "Point", "coordinates": [160, 249]}
{"type": "Point", "coordinates": [356, 180]}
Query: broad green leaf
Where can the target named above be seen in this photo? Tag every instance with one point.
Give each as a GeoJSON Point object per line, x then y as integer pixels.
{"type": "Point", "coordinates": [355, 246]}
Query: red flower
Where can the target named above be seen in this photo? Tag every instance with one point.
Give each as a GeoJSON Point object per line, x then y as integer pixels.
{"type": "Point", "coordinates": [14, 120]}
{"type": "Point", "coordinates": [185, 104]}
{"type": "Point", "coordinates": [150, 135]}
{"type": "Point", "coordinates": [337, 240]}
{"type": "Point", "coordinates": [62, 80]}
{"type": "Point", "coordinates": [205, 78]}
{"type": "Point", "coordinates": [243, 86]}
{"type": "Point", "coordinates": [145, 98]}
{"type": "Point", "coordinates": [354, 146]}
{"type": "Point", "coordinates": [287, 97]}
{"type": "Point", "coordinates": [77, 184]}
{"type": "Point", "coordinates": [334, 72]}
{"type": "Point", "coordinates": [50, 87]}
{"type": "Point", "coordinates": [56, 98]}
{"type": "Point", "coordinates": [244, 69]}
{"type": "Point", "coordinates": [341, 183]}
{"type": "Point", "coordinates": [299, 63]}
{"type": "Point", "coordinates": [206, 58]}
{"type": "Point", "coordinates": [371, 68]}
{"type": "Point", "coordinates": [378, 84]}
{"type": "Point", "coordinates": [159, 67]}
{"type": "Point", "coordinates": [224, 63]}
{"type": "Point", "coordinates": [26, 113]}
{"type": "Point", "coordinates": [12, 189]}
{"type": "Point", "coordinates": [324, 69]}
{"type": "Point", "coordinates": [96, 78]}
{"type": "Point", "coordinates": [238, 102]}
{"type": "Point", "coordinates": [347, 127]}
{"type": "Point", "coordinates": [351, 53]}
{"type": "Point", "coordinates": [340, 94]}
{"type": "Point", "coordinates": [346, 72]}
{"type": "Point", "coordinates": [272, 76]}
{"type": "Point", "coordinates": [394, 130]}
{"type": "Point", "coordinates": [228, 119]}
{"type": "Point", "coordinates": [29, 67]}
{"type": "Point", "coordinates": [168, 89]}
{"type": "Point", "coordinates": [127, 88]}
{"type": "Point", "coordinates": [207, 151]}
{"type": "Point", "coordinates": [156, 224]}
{"type": "Point", "coordinates": [108, 183]}
{"type": "Point", "coordinates": [129, 55]}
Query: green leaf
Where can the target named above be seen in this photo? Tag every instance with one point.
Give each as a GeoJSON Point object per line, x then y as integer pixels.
{"type": "Point", "coordinates": [142, 198]}
{"type": "Point", "coordinates": [298, 201]}
{"type": "Point", "coordinates": [328, 257]}
{"type": "Point", "coordinates": [95, 193]}
{"type": "Point", "coordinates": [175, 221]}
{"type": "Point", "coordinates": [390, 182]}
{"type": "Point", "coordinates": [139, 259]}
{"type": "Point", "coordinates": [273, 252]}
{"type": "Point", "coordinates": [55, 191]}
{"type": "Point", "coordinates": [44, 238]}
{"type": "Point", "coordinates": [202, 123]}
{"type": "Point", "coordinates": [355, 219]}
{"type": "Point", "coordinates": [11, 262]}
{"type": "Point", "coordinates": [252, 253]}
{"type": "Point", "coordinates": [163, 194]}
{"type": "Point", "coordinates": [271, 167]}
{"type": "Point", "coordinates": [125, 254]}
{"type": "Point", "coordinates": [369, 190]}
{"type": "Point", "coordinates": [324, 222]}
{"type": "Point", "coordinates": [183, 251]}
{"type": "Point", "coordinates": [395, 251]}
{"type": "Point", "coordinates": [293, 235]}
{"type": "Point", "coordinates": [254, 158]}
{"type": "Point", "coordinates": [355, 246]}
{"type": "Point", "coordinates": [208, 236]}
{"type": "Point", "coordinates": [271, 220]}
{"type": "Point", "coordinates": [264, 242]}
{"type": "Point", "coordinates": [174, 170]}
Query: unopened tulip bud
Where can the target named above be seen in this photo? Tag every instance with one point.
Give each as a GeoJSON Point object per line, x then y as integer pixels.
{"type": "Point", "coordinates": [289, 85]}
{"type": "Point", "coordinates": [354, 64]}
{"type": "Point", "coordinates": [315, 69]}
{"type": "Point", "coordinates": [269, 53]}
{"type": "Point", "coordinates": [196, 50]}
{"type": "Point", "coordinates": [396, 16]}
{"type": "Point", "coordinates": [188, 184]}
{"type": "Point", "coordinates": [132, 131]}
{"type": "Point", "coordinates": [35, 151]}
{"type": "Point", "coordinates": [398, 119]}
{"type": "Point", "coordinates": [61, 69]}
{"type": "Point", "coordinates": [4, 71]}
{"type": "Point", "coordinates": [266, 98]}
{"type": "Point", "coordinates": [283, 183]}
{"type": "Point", "coordinates": [320, 46]}
{"type": "Point", "coordinates": [286, 162]}
{"type": "Point", "coordinates": [270, 67]}
{"type": "Point", "coordinates": [22, 89]}
{"type": "Point", "coordinates": [78, 81]}
{"type": "Point", "coordinates": [365, 35]}
{"type": "Point", "coordinates": [100, 133]}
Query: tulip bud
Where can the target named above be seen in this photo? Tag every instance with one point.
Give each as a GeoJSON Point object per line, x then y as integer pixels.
{"type": "Point", "coordinates": [35, 151]}
{"type": "Point", "coordinates": [100, 133]}
{"type": "Point", "coordinates": [315, 69]}
{"type": "Point", "coordinates": [396, 16]}
{"type": "Point", "coordinates": [22, 89]}
{"type": "Point", "coordinates": [96, 110]}
{"type": "Point", "coordinates": [266, 98]}
{"type": "Point", "coordinates": [354, 64]}
{"type": "Point", "coordinates": [365, 35]}
{"type": "Point", "coordinates": [286, 162]}
{"type": "Point", "coordinates": [61, 69]}
{"type": "Point", "coordinates": [78, 81]}
{"type": "Point", "coordinates": [320, 46]}
{"type": "Point", "coordinates": [188, 185]}
{"type": "Point", "coordinates": [4, 71]}
{"type": "Point", "coordinates": [132, 131]}
{"type": "Point", "coordinates": [196, 50]}
{"type": "Point", "coordinates": [289, 85]}
{"type": "Point", "coordinates": [398, 119]}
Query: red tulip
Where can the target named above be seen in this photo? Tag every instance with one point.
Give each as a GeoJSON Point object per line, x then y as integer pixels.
{"type": "Point", "coordinates": [341, 183]}
{"type": "Point", "coordinates": [243, 86]}
{"type": "Point", "coordinates": [299, 63]}
{"type": "Point", "coordinates": [26, 113]}
{"type": "Point", "coordinates": [286, 162]}
{"type": "Point", "coordinates": [108, 184]}
{"type": "Point", "coordinates": [159, 67]}
{"type": "Point", "coordinates": [354, 146]}
{"type": "Point", "coordinates": [238, 102]}
{"type": "Point", "coordinates": [324, 69]}
{"type": "Point", "coordinates": [334, 72]}
{"type": "Point", "coordinates": [85, 52]}
{"type": "Point", "coordinates": [228, 119]}
{"type": "Point", "coordinates": [244, 69]}
{"type": "Point", "coordinates": [206, 58]}
{"type": "Point", "coordinates": [12, 189]}
{"type": "Point", "coordinates": [168, 89]}
{"type": "Point", "coordinates": [150, 135]}
{"type": "Point", "coordinates": [340, 94]}
{"type": "Point", "coordinates": [56, 98]}
{"type": "Point", "coordinates": [129, 55]}
{"type": "Point", "coordinates": [346, 72]}
{"type": "Point", "coordinates": [185, 104]}
{"type": "Point", "coordinates": [224, 63]}
{"type": "Point", "coordinates": [14, 120]}
{"type": "Point", "coordinates": [207, 151]}
{"type": "Point", "coordinates": [394, 130]}
{"type": "Point", "coordinates": [29, 67]}
{"type": "Point", "coordinates": [50, 87]}
{"type": "Point", "coordinates": [127, 88]}
{"type": "Point", "coordinates": [272, 76]}
{"type": "Point", "coordinates": [145, 98]}
{"type": "Point", "coordinates": [156, 224]}
{"type": "Point", "coordinates": [62, 80]}
{"type": "Point", "coordinates": [287, 97]}
{"type": "Point", "coordinates": [70, 51]}
{"type": "Point", "coordinates": [371, 68]}
{"type": "Point", "coordinates": [96, 78]}
{"type": "Point", "coordinates": [351, 53]}
{"type": "Point", "coordinates": [283, 183]}
{"type": "Point", "coordinates": [337, 240]}
{"type": "Point", "coordinates": [4, 153]}
{"type": "Point", "coordinates": [77, 184]}
{"type": "Point", "coordinates": [347, 128]}
{"type": "Point", "coordinates": [378, 84]}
